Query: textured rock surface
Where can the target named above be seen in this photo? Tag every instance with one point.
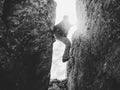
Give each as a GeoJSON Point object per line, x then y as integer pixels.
{"type": "Point", "coordinates": [95, 64]}
{"type": "Point", "coordinates": [26, 43]}
{"type": "Point", "coordinates": [58, 85]}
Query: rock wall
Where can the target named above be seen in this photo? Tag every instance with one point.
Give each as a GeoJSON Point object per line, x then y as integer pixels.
{"type": "Point", "coordinates": [26, 43]}
{"type": "Point", "coordinates": [95, 61]}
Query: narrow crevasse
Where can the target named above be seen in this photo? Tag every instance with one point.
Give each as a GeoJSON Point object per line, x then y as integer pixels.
{"type": "Point", "coordinates": [95, 53]}
{"type": "Point", "coordinates": [26, 43]}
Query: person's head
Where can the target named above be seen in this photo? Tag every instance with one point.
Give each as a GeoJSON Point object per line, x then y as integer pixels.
{"type": "Point", "coordinates": [66, 18]}
{"type": "Point", "coordinates": [67, 21]}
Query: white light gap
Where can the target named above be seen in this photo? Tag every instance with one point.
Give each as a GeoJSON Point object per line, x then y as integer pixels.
{"type": "Point", "coordinates": [64, 7]}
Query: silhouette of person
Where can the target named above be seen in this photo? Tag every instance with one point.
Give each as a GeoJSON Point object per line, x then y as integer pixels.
{"type": "Point", "coordinates": [60, 32]}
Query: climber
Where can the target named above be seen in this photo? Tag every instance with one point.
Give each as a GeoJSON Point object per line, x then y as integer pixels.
{"type": "Point", "coordinates": [60, 32]}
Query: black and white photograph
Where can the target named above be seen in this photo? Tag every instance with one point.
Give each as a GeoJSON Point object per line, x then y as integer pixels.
{"type": "Point", "coordinates": [59, 44]}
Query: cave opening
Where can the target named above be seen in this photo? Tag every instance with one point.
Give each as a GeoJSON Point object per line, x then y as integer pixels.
{"type": "Point", "coordinates": [64, 7]}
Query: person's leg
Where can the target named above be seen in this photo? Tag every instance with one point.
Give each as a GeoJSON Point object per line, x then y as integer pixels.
{"type": "Point", "coordinates": [67, 43]}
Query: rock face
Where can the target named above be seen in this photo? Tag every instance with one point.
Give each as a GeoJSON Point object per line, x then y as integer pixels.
{"type": "Point", "coordinates": [26, 43]}
{"type": "Point", "coordinates": [95, 62]}
{"type": "Point", "coordinates": [58, 85]}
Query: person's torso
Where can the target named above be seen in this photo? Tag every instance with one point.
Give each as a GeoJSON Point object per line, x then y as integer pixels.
{"type": "Point", "coordinates": [62, 29]}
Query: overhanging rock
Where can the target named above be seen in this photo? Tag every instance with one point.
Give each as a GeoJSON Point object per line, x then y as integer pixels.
{"type": "Point", "coordinates": [26, 43]}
